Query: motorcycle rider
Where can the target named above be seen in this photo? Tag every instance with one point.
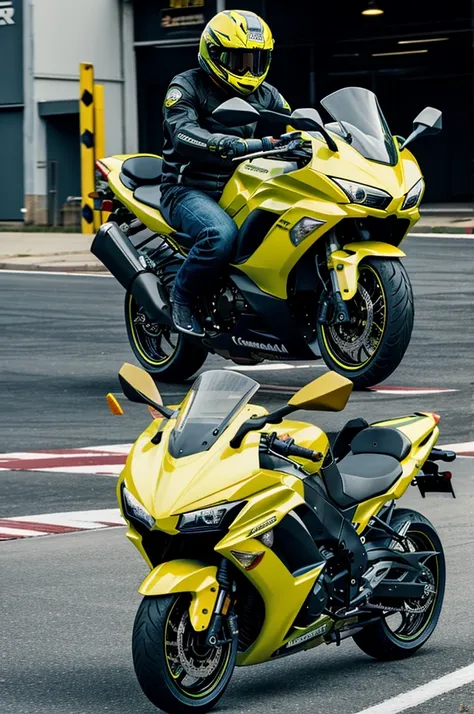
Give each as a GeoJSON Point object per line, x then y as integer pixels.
{"type": "Point", "coordinates": [234, 57]}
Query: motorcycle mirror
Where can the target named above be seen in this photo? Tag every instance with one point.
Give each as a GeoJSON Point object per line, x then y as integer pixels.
{"type": "Point", "coordinates": [138, 386]}
{"type": "Point", "coordinates": [328, 393]}
{"type": "Point", "coordinates": [236, 112]}
{"type": "Point", "coordinates": [429, 121]}
{"type": "Point", "coordinates": [309, 113]}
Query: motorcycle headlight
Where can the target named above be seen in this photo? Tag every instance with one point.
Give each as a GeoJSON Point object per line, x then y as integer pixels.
{"type": "Point", "coordinates": [135, 511]}
{"type": "Point", "coordinates": [208, 519]}
{"type": "Point", "coordinates": [414, 195]}
{"type": "Point", "coordinates": [364, 195]}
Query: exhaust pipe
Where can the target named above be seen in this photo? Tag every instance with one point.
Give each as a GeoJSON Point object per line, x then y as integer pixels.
{"type": "Point", "coordinates": [114, 250]}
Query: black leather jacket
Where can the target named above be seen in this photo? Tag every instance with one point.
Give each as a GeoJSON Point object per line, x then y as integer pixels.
{"type": "Point", "coordinates": [188, 126]}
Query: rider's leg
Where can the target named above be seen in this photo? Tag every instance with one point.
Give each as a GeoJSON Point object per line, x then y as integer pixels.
{"type": "Point", "coordinates": [214, 232]}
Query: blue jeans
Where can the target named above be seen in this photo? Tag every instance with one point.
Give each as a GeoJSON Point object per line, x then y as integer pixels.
{"type": "Point", "coordinates": [214, 232]}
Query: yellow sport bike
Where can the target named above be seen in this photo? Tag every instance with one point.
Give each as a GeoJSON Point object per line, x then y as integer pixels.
{"type": "Point", "coordinates": [316, 271]}
{"type": "Point", "coordinates": [263, 540]}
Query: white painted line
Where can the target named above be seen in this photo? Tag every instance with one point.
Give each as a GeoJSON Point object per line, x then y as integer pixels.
{"type": "Point", "coordinates": [446, 211]}
{"type": "Point", "coordinates": [464, 446]}
{"type": "Point", "coordinates": [457, 236]}
{"type": "Point", "coordinates": [85, 520]}
{"type": "Point", "coordinates": [56, 272]}
{"type": "Point", "coordinates": [272, 367]}
{"type": "Point", "coordinates": [422, 694]}
{"type": "Point", "coordinates": [411, 391]}
{"type": "Point", "coordinates": [20, 532]}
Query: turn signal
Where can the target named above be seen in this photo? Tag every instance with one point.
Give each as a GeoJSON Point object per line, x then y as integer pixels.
{"type": "Point", "coordinates": [249, 561]}
{"type": "Point", "coordinates": [113, 405]}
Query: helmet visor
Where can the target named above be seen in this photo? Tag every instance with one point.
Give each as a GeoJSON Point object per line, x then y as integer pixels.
{"type": "Point", "coordinates": [240, 62]}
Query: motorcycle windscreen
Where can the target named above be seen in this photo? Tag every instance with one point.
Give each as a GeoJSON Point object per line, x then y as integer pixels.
{"type": "Point", "coordinates": [215, 398]}
{"type": "Point", "coordinates": [359, 113]}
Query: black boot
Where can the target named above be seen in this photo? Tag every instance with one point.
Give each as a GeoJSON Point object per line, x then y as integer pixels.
{"type": "Point", "coordinates": [185, 321]}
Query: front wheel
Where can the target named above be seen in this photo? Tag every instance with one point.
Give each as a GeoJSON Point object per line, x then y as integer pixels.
{"type": "Point", "coordinates": [406, 625]}
{"type": "Point", "coordinates": [166, 354]}
{"type": "Point", "coordinates": [175, 668]}
{"type": "Point", "coordinates": [371, 346]}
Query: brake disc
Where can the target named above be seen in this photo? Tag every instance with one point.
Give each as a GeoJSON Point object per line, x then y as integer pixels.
{"type": "Point", "coordinates": [195, 664]}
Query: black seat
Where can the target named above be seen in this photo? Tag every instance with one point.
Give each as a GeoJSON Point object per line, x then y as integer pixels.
{"type": "Point", "coordinates": [149, 195]}
{"type": "Point", "coordinates": [359, 477]}
{"type": "Point", "coordinates": [143, 169]}
{"type": "Point", "coordinates": [381, 440]}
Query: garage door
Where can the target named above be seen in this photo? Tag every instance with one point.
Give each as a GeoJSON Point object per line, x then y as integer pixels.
{"type": "Point", "coordinates": [11, 170]}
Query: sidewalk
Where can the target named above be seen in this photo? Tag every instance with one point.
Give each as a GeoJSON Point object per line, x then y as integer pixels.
{"type": "Point", "coordinates": [70, 252]}
{"type": "Point", "coordinates": [64, 252]}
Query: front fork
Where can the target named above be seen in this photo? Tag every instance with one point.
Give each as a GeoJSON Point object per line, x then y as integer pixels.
{"type": "Point", "coordinates": [223, 612]}
{"type": "Point", "coordinates": [339, 314]}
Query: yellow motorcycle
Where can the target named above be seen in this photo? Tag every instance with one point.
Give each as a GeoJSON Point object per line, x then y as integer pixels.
{"type": "Point", "coordinates": [263, 540]}
{"type": "Point", "coordinates": [317, 269]}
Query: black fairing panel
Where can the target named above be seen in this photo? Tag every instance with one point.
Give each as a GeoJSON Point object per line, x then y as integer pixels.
{"type": "Point", "coordinates": [276, 316]}
{"type": "Point", "coordinates": [252, 233]}
{"type": "Point", "coordinates": [294, 545]}
{"type": "Point", "coordinates": [342, 443]}
{"type": "Point", "coordinates": [327, 524]}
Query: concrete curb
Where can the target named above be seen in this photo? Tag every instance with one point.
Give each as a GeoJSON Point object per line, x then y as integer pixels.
{"type": "Point", "coordinates": [35, 267]}
{"type": "Point", "coordinates": [467, 230]}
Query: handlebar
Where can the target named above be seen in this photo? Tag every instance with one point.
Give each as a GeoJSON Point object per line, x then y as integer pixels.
{"type": "Point", "coordinates": [289, 448]}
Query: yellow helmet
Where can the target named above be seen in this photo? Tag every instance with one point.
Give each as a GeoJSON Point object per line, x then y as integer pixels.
{"type": "Point", "coordinates": [236, 50]}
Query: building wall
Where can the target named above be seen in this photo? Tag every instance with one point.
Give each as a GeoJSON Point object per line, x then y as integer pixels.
{"type": "Point", "coordinates": [61, 36]}
{"type": "Point", "coordinates": [11, 110]}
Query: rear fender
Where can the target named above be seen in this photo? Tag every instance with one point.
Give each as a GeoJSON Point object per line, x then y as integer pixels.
{"type": "Point", "coordinates": [346, 262]}
{"type": "Point", "coordinates": [186, 576]}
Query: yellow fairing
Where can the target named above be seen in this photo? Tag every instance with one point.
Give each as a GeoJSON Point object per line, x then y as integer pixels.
{"type": "Point", "coordinates": [423, 434]}
{"type": "Point", "coordinates": [186, 576]}
{"type": "Point", "coordinates": [263, 511]}
{"type": "Point", "coordinates": [346, 262]}
{"type": "Point", "coordinates": [279, 187]}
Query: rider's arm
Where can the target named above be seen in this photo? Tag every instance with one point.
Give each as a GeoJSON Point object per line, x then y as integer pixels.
{"type": "Point", "coordinates": [181, 117]}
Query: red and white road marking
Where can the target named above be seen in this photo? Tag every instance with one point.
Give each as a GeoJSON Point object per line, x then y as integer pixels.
{"type": "Point", "coordinates": [98, 460]}
{"type": "Point", "coordinates": [58, 523]}
{"type": "Point", "coordinates": [108, 460]}
{"type": "Point", "coordinates": [464, 449]}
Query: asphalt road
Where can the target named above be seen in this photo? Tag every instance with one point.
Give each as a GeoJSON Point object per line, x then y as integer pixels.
{"type": "Point", "coordinates": [67, 602]}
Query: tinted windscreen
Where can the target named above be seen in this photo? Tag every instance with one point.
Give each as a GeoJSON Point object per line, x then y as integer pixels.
{"type": "Point", "coordinates": [211, 403]}
{"type": "Point", "coordinates": [359, 113]}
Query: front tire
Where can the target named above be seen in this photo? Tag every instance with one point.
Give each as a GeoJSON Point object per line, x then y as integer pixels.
{"type": "Point", "coordinates": [166, 354]}
{"type": "Point", "coordinates": [389, 639]}
{"type": "Point", "coordinates": [176, 670]}
{"type": "Point", "coordinates": [372, 345]}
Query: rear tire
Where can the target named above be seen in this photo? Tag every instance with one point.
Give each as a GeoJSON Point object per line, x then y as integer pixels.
{"type": "Point", "coordinates": [368, 359]}
{"type": "Point", "coordinates": [166, 354]}
{"type": "Point", "coordinates": [163, 649]}
{"type": "Point", "coordinates": [380, 640]}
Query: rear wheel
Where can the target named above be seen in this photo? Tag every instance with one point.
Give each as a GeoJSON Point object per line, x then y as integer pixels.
{"type": "Point", "coordinates": [166, 354]}
{"type": "Point", "coordinates": [371, 346]}
{"type": "Point", "coordinates": [399, 634]}
{"type": "Point", "coordinates": [176, 670]}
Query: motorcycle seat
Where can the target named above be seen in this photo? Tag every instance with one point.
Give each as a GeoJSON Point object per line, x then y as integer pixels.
{"type": "Point", "coordinates": [359, 477]}
{"type": "Point", "coordinates": [367, 475]}
{"type": "Point", "coordinates": [143, 170]}
{"type": "Point", "coordinates": [149, 195]}
{"type": "Point", "coordinates": [381, 440]}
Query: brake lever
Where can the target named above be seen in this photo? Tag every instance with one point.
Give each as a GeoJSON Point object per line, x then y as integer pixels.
{"type": "Point", "coordinates": [258, 154]}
